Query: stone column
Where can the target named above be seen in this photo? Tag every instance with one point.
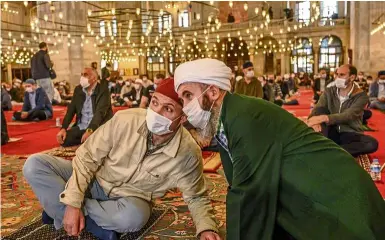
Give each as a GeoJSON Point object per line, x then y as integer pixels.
{"type": "Point", "coordinates": [360, 34]}
{"type": "Point", "coordinates": [316, 59]}
{"type": "Point", "coordinates": [9, 73]}
{"type": "Point", "coordinates": [283, 63]}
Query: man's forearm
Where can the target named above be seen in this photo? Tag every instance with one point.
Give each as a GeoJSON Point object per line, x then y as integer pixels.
{"type": "Point", "coordinates": [203, 214]}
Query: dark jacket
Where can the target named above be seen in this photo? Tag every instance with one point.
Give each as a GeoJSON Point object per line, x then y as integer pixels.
{"type": "Point", "coordinates": [132, 96]}
{"type": "Point", "coordinates": [253, 89]}
{"type": "Point", "coordinates": [348, 116]}
{"type": "Point", "coordinates": [268, 93]}
{"type": "Point", "coordinates": [101, 107]}
{"type": "Point", "coordinates": [6, 104]}
{"type": "Point", "coordinates": [17, 94]}
{"type": "Point", "coordinates": [42, 102]}
{"type": "Point", "coordinates": [105, 74]}
{"type": "Point", "coordinates": [317, 87]}
{"type": "Point", "coordinates": [40, 65]}
{"type": "Point", "coordinates": [373, 90]}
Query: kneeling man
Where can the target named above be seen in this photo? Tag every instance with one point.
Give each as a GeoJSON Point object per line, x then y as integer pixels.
{"type": "Point", "coordinates": [127, 162]}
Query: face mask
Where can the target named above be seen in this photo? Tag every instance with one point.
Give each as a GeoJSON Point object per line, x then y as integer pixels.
{"type": "Point", "coordinates": [8, 89]}
{"type": "Point", "coordinates": [323, 76]}
{"type": "Point", "coordinates": [198, 117]}
{"type": "Point", "coordinates": [61, 84]}
{"type": "Point", "coordinates": [292, 76]}
{"type": "Point", "coordinates": [120, 82]}
{"type": "Point", "coordinates": [250, 74]}
{"type": "Point", "coordinates": [360, 77]}
{"type": "Point", "coordinates": [84, 82]}
{"type": "Point", "coordinates": [157, 123]}
{"type": "Point", "coordinates": [128, 84]}
{"type": "Point", "coordinates": [286, 76]}
{"type": "Point", "coordinates": [136, 86]}
{"type": "Point", "coordinates": [113, 84]}
{"type": "Point", "coordinates": [155, 85]}
{"type": "Point", "coordinates": [340, 82]}
{"type": "Point", "coordinates": [381, 81]}
{"type": "Point", "coordinates": [236, 68]}
{"type": "Point", "coordinates": [29, 89]}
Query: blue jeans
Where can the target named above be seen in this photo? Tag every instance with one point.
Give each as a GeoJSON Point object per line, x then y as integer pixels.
{"type": "Point", "coordinates": [47, 85]}
{"type": "Point", "coordinates": [48, 175]}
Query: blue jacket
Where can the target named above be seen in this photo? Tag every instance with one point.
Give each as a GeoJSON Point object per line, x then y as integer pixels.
{"type": "Point", "coordinates": [42, 103]}
{"type": "Point", "coordinates": [373, 90]}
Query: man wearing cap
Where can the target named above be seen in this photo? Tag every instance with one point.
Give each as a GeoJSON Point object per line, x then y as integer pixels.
{"type": "Point", "coordinates": [125, 164]}
{"type": "Point", "coordinates": [249, 85]}
{"type": "Point", "coordinates": [134, 97]}
{"type": "Point", "coordinates": [286, 181]}
{"type": "Point", "coordinates": [92, 107]}
{"type": "Point", "coordinates": [377, 92]}
{"type": "Point", "coordinates": [36, 106]}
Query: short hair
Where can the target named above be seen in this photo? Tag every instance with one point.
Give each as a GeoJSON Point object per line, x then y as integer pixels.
{"type": "Point", "coordinates": [42, 45]}
{"type": "Point", "coordinates": [369, 77]}
{"type": "Point", "coordinates": [159, 76]}
{"type": "Point", "coordinates": [108, 64]}
{"type": "Point", "coordinates": [93, 63]}
{"type": "Point", "coordinates": [361, 72]}
{"type": "Point", "coordinates": [352, 70]}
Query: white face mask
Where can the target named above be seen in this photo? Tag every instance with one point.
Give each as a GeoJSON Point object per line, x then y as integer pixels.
{"type": "Point", "coordinates": [29, 89]}
{"type": "Point", "coordinates": [340, 82]}
{"type": "Point", "coordinates": [155, 85]}
{"type": "Point", "coordinates": [128, 84]}
{"type": "Point", "coordinates": [84, 82]}
{"type": "Point", "coordinates": [136, 86]}
{"type": "Point", "coordinates": [286, 76]}
{"type": "Point", "coordinates": [198, 117]}
{"type": "Point", "coordinates": [250, 74]}
{"type": "Point", "coordinates": [380, 81]}
{"type": "Point", "coordinates": [120, 82]}
{"type": "Point", "coordinates": [157, 124]}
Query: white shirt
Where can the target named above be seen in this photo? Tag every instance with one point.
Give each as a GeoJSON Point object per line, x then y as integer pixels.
{"type": "Point", "coordinates": [322, 84]}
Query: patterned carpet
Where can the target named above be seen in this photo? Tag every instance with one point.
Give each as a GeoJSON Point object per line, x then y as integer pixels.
{"type": "Point", "coordinates": [20, 207]}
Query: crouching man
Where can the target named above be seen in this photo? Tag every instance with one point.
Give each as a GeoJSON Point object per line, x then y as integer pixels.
{"type": "Point", "coordinates": [130, 160]}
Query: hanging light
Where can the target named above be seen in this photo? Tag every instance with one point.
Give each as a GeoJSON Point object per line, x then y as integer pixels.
{"type": "Point", "coordinates": [137, 11]}
{"type": "Point", "coordinates": [60, 15]}
{"type": "Point", "coordinates": [198, 16]}
{"type": "Point", "coordinates": [25, 3]}
{"type": "Point", "coordinates": [212, 2]}
{"type": "Point", "coordinates": [231, 4]}
{"type": "Point", "coordinates": [45, 17]}
{"type": "Point", "coordinates": [245, 6]}
{"type": "Point", "coordinates": [161, 12]}
{"type": "Point", "coordinates": [5, 5]}
{"type": "Point", "coordinates": [89, 12]}
{"type": "Point", "coordinates": [113, 11]}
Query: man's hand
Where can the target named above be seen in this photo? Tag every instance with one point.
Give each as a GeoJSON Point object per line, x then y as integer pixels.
{"type": "Point", "coordinates": [73, 221]}
{"type": "Point", "coordinates": [317, 128]}
{"type": "Point", "coordinates": [317, 120]}
{"type": "Point", "coordinates": [24, 115]}
{"type": "Point", "coordinates": [382, 99]}
{"type": "Point", "coordinates": [209, 235]}
{"type": "Point", "coordinates": [61, 136]}
{"type": "Point", "coordinates": [85, 136]}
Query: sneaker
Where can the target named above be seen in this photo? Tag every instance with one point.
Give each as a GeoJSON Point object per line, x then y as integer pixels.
{"type": "Point", "coordinates": [99, 232]}
{"type": "Point", "coordinates": [46, 219]}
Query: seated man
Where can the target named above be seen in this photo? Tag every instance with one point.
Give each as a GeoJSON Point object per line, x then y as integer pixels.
{"type": "Point", "coordinates": [36, 104]}
{"type": "Point", "coordinates": [320, 85]}
{"type": "Point", "coordinates": [92, 107]}
{"type": "Point", "coordinates": [249, 85]}
{"type": "Point", "coordinates": [17, 91]}
{"type": "Point", "coordinates": [134, 98]}
{"type": "Point", "coordinates": [285, 180]}
{"type": "Point", "coordinates": [338, 114]}
{"type": "Point", "coordinates": [129, 161]}
{"type": "Point", "coordinates": [377, 92]}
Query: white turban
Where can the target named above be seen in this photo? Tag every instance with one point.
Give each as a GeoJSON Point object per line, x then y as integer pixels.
{"type": "Point", "coordinates": [207, 71]}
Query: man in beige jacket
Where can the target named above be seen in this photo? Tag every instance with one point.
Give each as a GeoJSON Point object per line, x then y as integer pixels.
{"type": "Point", "coordinates": [130, 160]}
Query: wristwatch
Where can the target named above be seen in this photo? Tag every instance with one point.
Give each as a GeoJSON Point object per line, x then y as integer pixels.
{"type": "Point", "coordinates": [89, 130]}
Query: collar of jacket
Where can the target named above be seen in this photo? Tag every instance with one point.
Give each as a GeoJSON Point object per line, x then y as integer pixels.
{"type": "Point", "coordinates": [356, 90]}
{"type": "Point", "coordinates": [171, 149]}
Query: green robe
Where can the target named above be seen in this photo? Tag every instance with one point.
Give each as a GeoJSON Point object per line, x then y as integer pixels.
{"type": "Point", "coordinates": [283, 175]}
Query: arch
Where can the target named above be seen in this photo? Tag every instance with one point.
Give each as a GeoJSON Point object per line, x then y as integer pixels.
{"type": "Point", "coordinates": [302, 56]}
{"type": "Point", "coordinates": [268, 46]}
{"type": "Point", "coordinates": [233, 51]}
{"type": "Point", "coordinates": [330, 53]}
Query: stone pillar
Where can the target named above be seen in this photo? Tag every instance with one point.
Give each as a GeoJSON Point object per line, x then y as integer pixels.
{"type": "Point", "coordinates": [360, 34]}
{"type": "Point", "coordinates": [9, 73]}
{"type": "Point", "coordinates": [316, 59]}
{"type": "Point", "coordinates": [283, 63]}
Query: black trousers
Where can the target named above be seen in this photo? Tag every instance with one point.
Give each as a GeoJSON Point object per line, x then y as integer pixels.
{"type": "Point", "coordinates": [38, 114]}
{"type": "Point", "coordinates": [74, 137]}
{"type": "Point", "coordinates": [366, 116]}
{"type": "Point", "coordinates": [355, 143]}
{"type": "Point", "coordinates": [4, 130]}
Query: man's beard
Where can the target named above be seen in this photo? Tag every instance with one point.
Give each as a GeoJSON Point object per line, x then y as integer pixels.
{"type": "Point", "coordinates": [210, 130]}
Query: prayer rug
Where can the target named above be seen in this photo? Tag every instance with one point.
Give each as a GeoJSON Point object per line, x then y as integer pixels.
{"type": "Point", "coordinates": [19, 123]}
{"type": "Point", "coordinates": [37, 230]}
{"type": "Point", "coordinates": [211, 161]}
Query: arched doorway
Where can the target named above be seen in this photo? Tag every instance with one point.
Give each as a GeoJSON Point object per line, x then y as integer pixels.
{"type": "Point", "coordinates": [331, 55]}
{"type": "Point", "coordinates": [268, 46]}
{"type": "Point", "coordinates": [233, 52]}
{"type": "Point", "coordinates": [302, 58]}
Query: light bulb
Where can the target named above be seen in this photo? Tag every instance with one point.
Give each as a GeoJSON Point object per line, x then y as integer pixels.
{"type": "Point", "coordinates": [245, 6]}
{"type": "Point", "coordinates": [89, 12]}
{"type": "Point", "coordinates": [113, 11]}
{"type": "Point", "coordinates": [161, 12]}
{"type": "Point", "coordinates": [60, 15]}
{"type": "Point", "coordinates": [231, 4]}
{"type": "Point", "coordinates": [25, 3]}
{"type": "Point", "coordinates": [45, 17]}
{"type": "Point", "coordinates": [5, 5]}
{"type": "Point", "coordinates": [138, 11]}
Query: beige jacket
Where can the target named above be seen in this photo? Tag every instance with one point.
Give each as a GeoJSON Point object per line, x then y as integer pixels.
{"type": "Point", "coordinates": [114, 156]}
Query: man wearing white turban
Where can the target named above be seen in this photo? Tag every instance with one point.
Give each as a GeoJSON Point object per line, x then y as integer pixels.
{"type": "Point", "coordinates": [286, 181]}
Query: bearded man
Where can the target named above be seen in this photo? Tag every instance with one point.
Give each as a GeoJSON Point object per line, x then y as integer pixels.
{"type": "Point", "coordinates": [286, 181]}
{"type": "Point", "coordinates": [127, 162]}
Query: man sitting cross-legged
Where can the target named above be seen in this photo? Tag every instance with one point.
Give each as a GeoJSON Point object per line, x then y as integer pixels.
{"type": "Point", "coordinates": [130, 160]}
{"type": "Point", "coordinates": [92, 106]}
{"type": "Point", "coordinates": [338, 114]}
{"type": "Point", "coordinates": [36, 104]}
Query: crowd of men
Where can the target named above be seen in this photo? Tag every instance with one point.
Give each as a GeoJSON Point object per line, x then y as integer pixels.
{"type": "Point", "coordinates": [281, 183]}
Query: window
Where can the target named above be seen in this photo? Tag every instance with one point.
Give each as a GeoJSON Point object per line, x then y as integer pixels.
{"type": "Point", "coordinates": [144, 22]}
{"type": "Point", "coordinates": [160, 24]}
{"type": "Point", "coordinates": [328, 8]}
{"type": "Point", "coordinates": [302, 58]}
{"type": "Point", "coordinates": [114, 27]}
{"type": "Point", "coordinates": [330, 53]}
{"type": "Point", "coordinates": [303, 11]}
{"type": "Point", "coordinates": [102, 28]}
{"type": "Point", "coordinates": [184, 19]}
